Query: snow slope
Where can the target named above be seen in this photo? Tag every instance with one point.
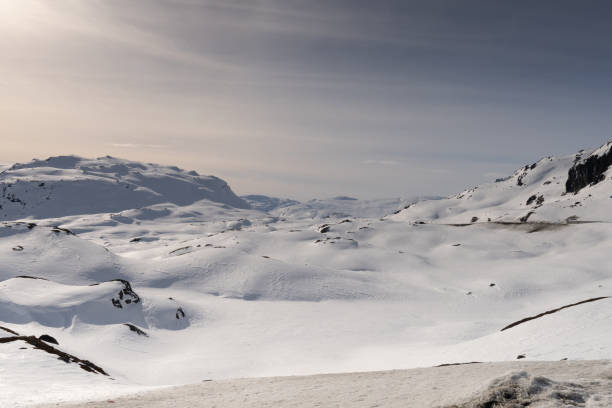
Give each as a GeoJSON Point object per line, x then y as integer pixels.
{"type": "Point", "coordinates": [69, 185]}
{"type": "Point", "coordinates": [227, 291]}
{"type": "Point", "coordinates": [535, 192]}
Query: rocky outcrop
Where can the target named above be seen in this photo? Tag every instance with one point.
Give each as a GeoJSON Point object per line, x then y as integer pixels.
{"type": "Point", "coordinates": [65, 357]}
{"type": "Point", "coordinates": [136, 330]}
{"type": "Point", "coordinates": [590, 170]}
{"type": "Point", "coordinates": [125, 295]}
{"type": "Point", "coordinates": [48, 339]}
{"type": "Point", "coordinates": [511, 325]}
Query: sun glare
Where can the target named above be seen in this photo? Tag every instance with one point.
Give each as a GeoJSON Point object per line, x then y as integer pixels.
{"type": "Point", "coordinates": [17, 13]}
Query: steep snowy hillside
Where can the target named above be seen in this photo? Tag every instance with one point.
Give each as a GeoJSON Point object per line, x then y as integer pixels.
{"type": "Point", "coordinates": [70, 185]}
{"type": "Point", "coordinates": [568, 189]}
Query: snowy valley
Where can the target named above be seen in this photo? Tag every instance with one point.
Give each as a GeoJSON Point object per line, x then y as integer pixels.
{"type": "Point", "coordinates": [159, 276]}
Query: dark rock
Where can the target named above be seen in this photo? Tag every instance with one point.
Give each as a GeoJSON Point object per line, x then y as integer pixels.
{"type": "Point", "coordinates": [136, 330]}
{"type": "Point", "coordinates": [180, 313]}
{"type": "Point", "coordinates": [48, 339]}
{"type": "Point", "coordinates": [491, 285]}
{"type": "Point", "coordinates": [58, 230]}
{"type": "Point", "coordinates": [125, 295]}
{"type": "Point", "coordinates": [531, 199]}
{"type": "Point", "coordinates": [18, 248]}
{"type": "Point", "coordinates": [520, 356]}
{"type": "Point", "coordinates": [29, 277]}
{"type": "Point", "coordinates": [511, 325]}
{"type": "Point", "coordinates": [324, 228]}
{"type": "Point", "coordinates": [539, 200]}
{"type": "Point", "coordinates": [138, 239]}
{"type": "Point", "coordinates": [456, 364]}
{"type": "Point", "coordinates": [178, 250]}
{"type": "Point", "coordinates": [525, 218]}
{"type": "Point", "coordinates": [588, 172]}
{"type": "Point", "coordinates": [6, 329]}
{"type": "Point", "coordinates": [65, 357]}
{"type": "Point", "coordinates": [474, 219]}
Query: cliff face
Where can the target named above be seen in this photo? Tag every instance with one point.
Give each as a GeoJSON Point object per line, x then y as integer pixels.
{"type": "Point", "coordinates": [590, 170]}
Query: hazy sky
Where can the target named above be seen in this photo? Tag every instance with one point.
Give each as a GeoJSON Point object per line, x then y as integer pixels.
{"type": "Point", "coordinates": [308, 98]}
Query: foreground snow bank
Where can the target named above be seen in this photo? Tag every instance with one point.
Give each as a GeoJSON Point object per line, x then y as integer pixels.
{"type": "Point", "coordinates": [540, 384]}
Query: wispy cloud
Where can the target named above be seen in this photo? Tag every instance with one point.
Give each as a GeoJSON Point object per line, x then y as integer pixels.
{"type": "Point", "coordinates": [381, 162]}
{"type": "Point", "coordinates": [347, 95]}
{"type": "Point", "coordinates": [138, 146]}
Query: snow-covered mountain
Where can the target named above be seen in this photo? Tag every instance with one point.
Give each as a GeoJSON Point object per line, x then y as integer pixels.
{"type": "Point", "coordinates": [572, 188]}
{"type": "Point", "coordinates": [160, 277]}
{"type": "Point", "coordinates": [71, 185]}
{"type": "Point", "coordinates": [342, 207]}
{"type": "Point", "coordinates": [266, 203]}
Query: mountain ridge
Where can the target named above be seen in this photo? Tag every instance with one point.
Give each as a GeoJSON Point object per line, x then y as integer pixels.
{"type": "Point", "coordinates": [556, 190]}
{"type": "Point", "coordinates": [71, 185]}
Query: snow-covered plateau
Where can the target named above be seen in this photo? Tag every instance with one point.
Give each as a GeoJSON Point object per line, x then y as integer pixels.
{"type": "Point", "coordinates": [119, 277]}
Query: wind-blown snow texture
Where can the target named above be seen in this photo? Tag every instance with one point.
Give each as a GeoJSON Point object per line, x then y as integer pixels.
{"type": "Point", "coordinates": [213, 286]}
{"type": "Point", "coordinates": [499, 385]}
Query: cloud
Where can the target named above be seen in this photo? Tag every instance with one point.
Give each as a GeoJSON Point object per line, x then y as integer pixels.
{"type": "Point", "coordinates": [314, 98]}
{"type": "Point", "coordinates": [381, 162]}
{"type": "Point", "coordinates": [138, 146]}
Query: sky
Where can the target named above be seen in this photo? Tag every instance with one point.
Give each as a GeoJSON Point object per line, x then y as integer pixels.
{"type": "Point", "coordinates": [308, 98]}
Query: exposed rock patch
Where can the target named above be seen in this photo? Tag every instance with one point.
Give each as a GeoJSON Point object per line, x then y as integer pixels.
{"type": "Point", "coordinates": [588, 171]}
{"type": "Point", "coordinates": [48, 339]}
{"type": "Point", "coordinates": [136, 330]}
{"type": "Point", "coordinates": [6, 329]}
{"type": "Point", "coordinates": [65, 357]}
{"type": "Point", "coordinates": [552, 311]}
{"type": "Point", "coordinates": [125, 296]}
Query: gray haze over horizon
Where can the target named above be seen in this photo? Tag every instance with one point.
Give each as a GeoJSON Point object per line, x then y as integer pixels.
{"type": "Point", "coordinates": [308, 99]}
